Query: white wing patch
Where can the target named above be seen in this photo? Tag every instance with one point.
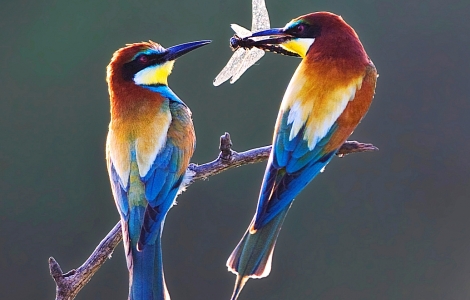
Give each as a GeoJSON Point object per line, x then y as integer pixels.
{"type": "Point", "coordinates": [337, 104]}
{"type": "Point", "coordinates": [319, 112]}
{"type": "Point", "coordinates": [119, 155]}
{"type": "Point", "coordinates": [296, 119]}
{"type": "Point", "coordinates": [148, 145]}
{"type": "Point", "coordinates": [187, 179]}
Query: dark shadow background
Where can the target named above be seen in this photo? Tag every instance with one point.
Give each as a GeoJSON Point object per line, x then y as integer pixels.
{"type": "Point", "coordinates": [386, 225]}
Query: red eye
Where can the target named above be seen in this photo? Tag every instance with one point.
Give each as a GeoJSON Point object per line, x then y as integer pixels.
{"type": "Point", "coordinates": [299, 28]}
{"type": "Point", "coordinates": [143, 58]}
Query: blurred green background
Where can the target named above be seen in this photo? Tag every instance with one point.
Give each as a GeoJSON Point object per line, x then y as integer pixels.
{"type": "Point", "coordinates": [393, 224]}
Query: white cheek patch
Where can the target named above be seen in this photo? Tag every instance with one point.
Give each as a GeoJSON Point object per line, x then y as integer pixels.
{"type": "Point", "coordinates": [306, 43]}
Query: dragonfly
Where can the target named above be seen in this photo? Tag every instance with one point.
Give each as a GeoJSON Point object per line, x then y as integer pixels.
{"type": "Point", "coordinates": [244, 56]}
{"type": "Point", "coordinates": [247, 50]}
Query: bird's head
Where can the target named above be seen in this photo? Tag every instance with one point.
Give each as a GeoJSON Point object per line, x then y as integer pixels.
{"type": "Point", "coordinates": [146, 63]}
{"type": "Point", "coordinates": [302, 33]}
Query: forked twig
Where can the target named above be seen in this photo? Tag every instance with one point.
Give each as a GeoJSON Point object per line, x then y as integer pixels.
{"type": "Point", "coordinates": [69, 284]}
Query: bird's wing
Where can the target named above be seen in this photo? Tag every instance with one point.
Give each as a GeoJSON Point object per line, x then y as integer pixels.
{"type": "Point", "coordinates": [119, 191]}
{"type": "Point", "coordinates": [292, 165]}
{"type": "Point", "coordinates": [161, 186]}
{"type": "Point", "coordinates": [314, 121]}
{"type": "Point", "coordinates": [164, 178]}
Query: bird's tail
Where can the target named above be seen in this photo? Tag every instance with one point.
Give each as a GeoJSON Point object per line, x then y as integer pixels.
{"type": "Point", "coordinates": [146, 277]}
{"type": "Point", "coordinates": [253, 255]}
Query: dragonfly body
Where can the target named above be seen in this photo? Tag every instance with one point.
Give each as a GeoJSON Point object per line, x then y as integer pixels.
{"type": "Point", "coordinates": [237, 42]}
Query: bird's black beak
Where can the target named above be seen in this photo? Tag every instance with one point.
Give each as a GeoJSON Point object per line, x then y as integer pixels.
{"type": "Point", "coordinates": [273, 36]}
{"type": "Point", "coordinates": [270, 32]}
{"type": "Point", "coordinates": [174, 52]}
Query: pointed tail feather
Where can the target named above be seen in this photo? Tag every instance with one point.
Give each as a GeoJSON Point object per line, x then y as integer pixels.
{"type": "Point", "coordinates": [239, 284]}
{"type": "Point", "coordinates": [146, 277]}
{"type": "Point", "coordinates": [253, 255]}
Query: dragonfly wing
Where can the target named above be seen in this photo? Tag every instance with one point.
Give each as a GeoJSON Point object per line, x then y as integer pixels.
{"type": "Point", "coordinates": [249, 59]}
{"type": "Point", "coordinates": [260, 17]}
{"type": "Point", "coordinates": [231, 67]}
{"type": "Point", "coordinates": [240, 31]}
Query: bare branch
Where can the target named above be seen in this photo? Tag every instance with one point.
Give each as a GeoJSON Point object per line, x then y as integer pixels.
{"type": "Point", "coordinates": [231, 159]}
{"type": "Point", "coordinates": [69, 284]}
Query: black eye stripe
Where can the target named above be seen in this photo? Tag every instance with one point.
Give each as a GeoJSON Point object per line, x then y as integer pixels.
{"type": "Point", "coordinates": [304, 30]}
{"type": "Point", "coordinates": [143, 58]}
{"type": "Point", "coordinates": [139, 63]}
{"type": "Point", "coordinates": [299, 28]}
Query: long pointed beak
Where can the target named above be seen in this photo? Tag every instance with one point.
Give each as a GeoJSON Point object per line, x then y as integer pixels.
{"type": "Point", "coordinates": [273, 36]}
{"type": "Point", "coordinates": [181, 49]}
{"type": "Point", "coordinates": [270, 32]}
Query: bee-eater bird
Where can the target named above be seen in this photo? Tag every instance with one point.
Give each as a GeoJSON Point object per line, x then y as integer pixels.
{"type": "Point", "coordinates": [328, 95]}
{"type": "Point", "coordinates": [150, 142]}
